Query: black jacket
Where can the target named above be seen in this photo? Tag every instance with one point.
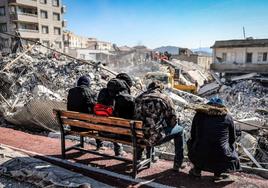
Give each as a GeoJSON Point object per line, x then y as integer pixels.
{"type": "Point", "coordinates": [211, 147]}
{"type": "Point", "coordinates": [124, 106]}
{"type": "Point", "coordinates": [117, 95]}
{"type": "Point", "coordinates": [80, 99]}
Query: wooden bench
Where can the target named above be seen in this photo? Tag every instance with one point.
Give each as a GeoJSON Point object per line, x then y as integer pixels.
{"type": "Point", "coordinates": [94, 124]}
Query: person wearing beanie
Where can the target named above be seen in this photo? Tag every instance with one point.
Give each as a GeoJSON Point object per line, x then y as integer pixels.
{"type": "Point", "coordinates": [117, 95]}
{"type": "Point", "coordinates": [80, 98]}
{"type": "Point", "coordinates": [126, 78]}
{"type": "Point", "coordinates": [212, 143]}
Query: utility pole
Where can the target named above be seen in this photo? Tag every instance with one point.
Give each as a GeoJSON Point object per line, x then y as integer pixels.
{"type": "Point", "coordinates": [244, 32]}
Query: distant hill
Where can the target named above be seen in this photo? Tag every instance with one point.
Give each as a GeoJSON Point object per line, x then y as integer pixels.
{"type": "Point", "coordinates": [175, 50]}
{"type": "Point", "coordinates": [170, 49]}
{"type": "Point", "coordinates": [203, 51]}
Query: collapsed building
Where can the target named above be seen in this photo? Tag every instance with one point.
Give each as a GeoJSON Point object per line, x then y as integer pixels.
{"type": "Point", "coordinates": [32, 85]}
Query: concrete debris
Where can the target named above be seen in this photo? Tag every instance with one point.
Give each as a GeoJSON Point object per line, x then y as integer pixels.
{"type": "Point", "coordinates": [243, 77]}
{"type": "Point", "coordinates": [254, 120]}
{"type": "Point", "coordinates": [243, 98]}
{"type": "Point", "coordinates": [37, 76]}
{"type": "Point", "coordinates": [261, 154]}
{"type": "Point", "coordinates": [209, 89]}
{"type": "Point", "coordinates": [249, 142]}
{"type": "Point", "coordinates": [40, 173]}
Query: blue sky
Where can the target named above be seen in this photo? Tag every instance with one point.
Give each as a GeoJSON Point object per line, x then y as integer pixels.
{"type": "Point", "coordinates": [154, 23]}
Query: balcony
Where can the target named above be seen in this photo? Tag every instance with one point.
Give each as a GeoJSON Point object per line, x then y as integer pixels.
{"type": "Point", "coordinates": [240, 68]}
{"type": "Point", "coordinates": [64, 23]}
{"type": "Point", "coordinates": [24, 17]}
{"type": "Point", "coordinates": [63, 9]}
{"type": "Point", "coordinates": [31, 3]}
{"type": "Point", "coordinates": [29, 33]}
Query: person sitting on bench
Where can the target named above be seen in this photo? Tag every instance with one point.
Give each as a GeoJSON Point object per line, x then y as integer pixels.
{"type": "Point", "coordinates": [157, 112]}
{"type": "Point", "coordinates": [115, 100]}
{"type": "Point", "coordinates": [80, 99]}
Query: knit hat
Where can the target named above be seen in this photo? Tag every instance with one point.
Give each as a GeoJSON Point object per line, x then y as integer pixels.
{"type": "Point", "coordinates": [216, 101]}
{"type": "Point", "coordinates": [126, 78]}
{"type": "Point", "coordinates": [155, 85]}
{"type": "Point", "coordinates": [83, 80]}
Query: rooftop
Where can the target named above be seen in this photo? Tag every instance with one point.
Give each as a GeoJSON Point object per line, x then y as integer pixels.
{"type": "Point", "coordinates": [241, 43]}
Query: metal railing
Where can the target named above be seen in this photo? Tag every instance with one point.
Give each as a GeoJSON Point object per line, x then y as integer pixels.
{"type": "Point", "coordinates": [27, 14]}
{"type": "Point", "coordinates": [28, 30]}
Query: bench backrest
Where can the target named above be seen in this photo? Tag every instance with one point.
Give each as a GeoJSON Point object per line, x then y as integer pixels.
{"type": "Point", "coordinates": [113, 125]}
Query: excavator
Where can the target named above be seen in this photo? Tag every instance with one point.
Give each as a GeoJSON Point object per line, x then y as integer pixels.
{"type": "Point", "coordinates": [174, 78]}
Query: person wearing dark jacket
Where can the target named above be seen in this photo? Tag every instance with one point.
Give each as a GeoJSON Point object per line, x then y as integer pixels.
{"type": "Point", "coordinates": [117, 95]}
{"type": "Point", "coordinates": [80, 98]}
{"type": "Point", "coordinates": [212, 143]}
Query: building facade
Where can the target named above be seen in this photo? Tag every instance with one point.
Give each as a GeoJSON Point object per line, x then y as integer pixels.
{"type": "Point", "coordinates": [91, 55]}
{"type": "Point", "coordinates": [201, 59]}
{"type": "Point", "coordinates": [245, 56]}
{"type": "Point", "coordinates": [39, 20]}
{"type": "Point", "coordinates": [95, 44]}
{"type": "Point", "coordinates": [72, 40]}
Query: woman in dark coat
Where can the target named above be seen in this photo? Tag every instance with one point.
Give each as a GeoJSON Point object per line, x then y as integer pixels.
{"type": "Point", "coordinates": [212, 144]}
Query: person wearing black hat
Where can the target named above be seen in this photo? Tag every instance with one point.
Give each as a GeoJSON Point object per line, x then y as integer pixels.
{"type": "Point", "coordinates": [212, 143]}
{"type": "Point", "coordinates": [117, 95]}
{"type": "Point", "coordinates": [80, 98]}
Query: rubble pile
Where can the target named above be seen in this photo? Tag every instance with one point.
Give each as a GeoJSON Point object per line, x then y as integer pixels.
{"type": "Point", "coordinates": [36, 83]}
{"type": "Point", "coordinates": [40, 77]}
{"type": "Point", "coordinates": [244, 98]}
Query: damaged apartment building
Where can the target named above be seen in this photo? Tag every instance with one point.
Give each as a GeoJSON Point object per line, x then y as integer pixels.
{"type": "Point", "coordinates": [39, 20]}
{"type": "Point", "coordinates": [87, 48]}
{"type": "Point", "coordinates": [200, 58]}
{"type": "Point", "coordinates": [240, 56]}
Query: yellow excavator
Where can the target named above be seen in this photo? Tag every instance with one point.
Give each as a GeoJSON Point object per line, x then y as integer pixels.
{"type": "Point", "coordinates": [173, 79]}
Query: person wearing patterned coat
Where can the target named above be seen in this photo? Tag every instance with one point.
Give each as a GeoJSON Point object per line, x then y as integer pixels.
{"type": "Point", "coordinates": [161, 125]}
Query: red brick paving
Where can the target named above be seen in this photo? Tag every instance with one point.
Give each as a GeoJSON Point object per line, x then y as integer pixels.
{"type": "Point", "coordinates": [161, 171]}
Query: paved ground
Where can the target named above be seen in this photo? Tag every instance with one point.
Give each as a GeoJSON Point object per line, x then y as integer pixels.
{"type": "Point", "coordinates": [160, 172]}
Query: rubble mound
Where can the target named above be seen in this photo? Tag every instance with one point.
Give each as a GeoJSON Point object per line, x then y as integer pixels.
{"type": "Point", "coordinates": [244, 98]}
{"type": "Point", "coordinates": [37, 76]}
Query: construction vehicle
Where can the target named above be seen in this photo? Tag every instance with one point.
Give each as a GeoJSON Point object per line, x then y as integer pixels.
{"type": "Point", "coordinates": [175, 78]}
{"type": "Point", "coordinates": [171, 79]}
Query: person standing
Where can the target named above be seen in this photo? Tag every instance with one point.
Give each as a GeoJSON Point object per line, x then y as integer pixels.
{"type": "Point", "coordinates": [18, 43]}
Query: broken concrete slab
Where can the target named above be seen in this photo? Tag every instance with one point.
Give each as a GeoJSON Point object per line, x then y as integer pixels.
{"type": "Point", "coordinates": [243, 77]}
{"type": "Point", "coordinates": [254, 121]}
{"type": "Point", "coordinates": [40, 173]}
{"type": "Point", "coordinates": [209, 89]}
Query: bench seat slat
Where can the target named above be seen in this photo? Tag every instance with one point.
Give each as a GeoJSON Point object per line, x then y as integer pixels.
{"type": "Point", "coordinates": [100, 119]}
{"type": "Point", "coordinates": [92, 135]}
{"type": "Point", "coordinates": [104, 128]}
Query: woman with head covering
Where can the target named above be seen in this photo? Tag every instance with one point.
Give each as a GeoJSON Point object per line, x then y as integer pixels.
{"type": "Point", "coordinates": [212, 143]}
